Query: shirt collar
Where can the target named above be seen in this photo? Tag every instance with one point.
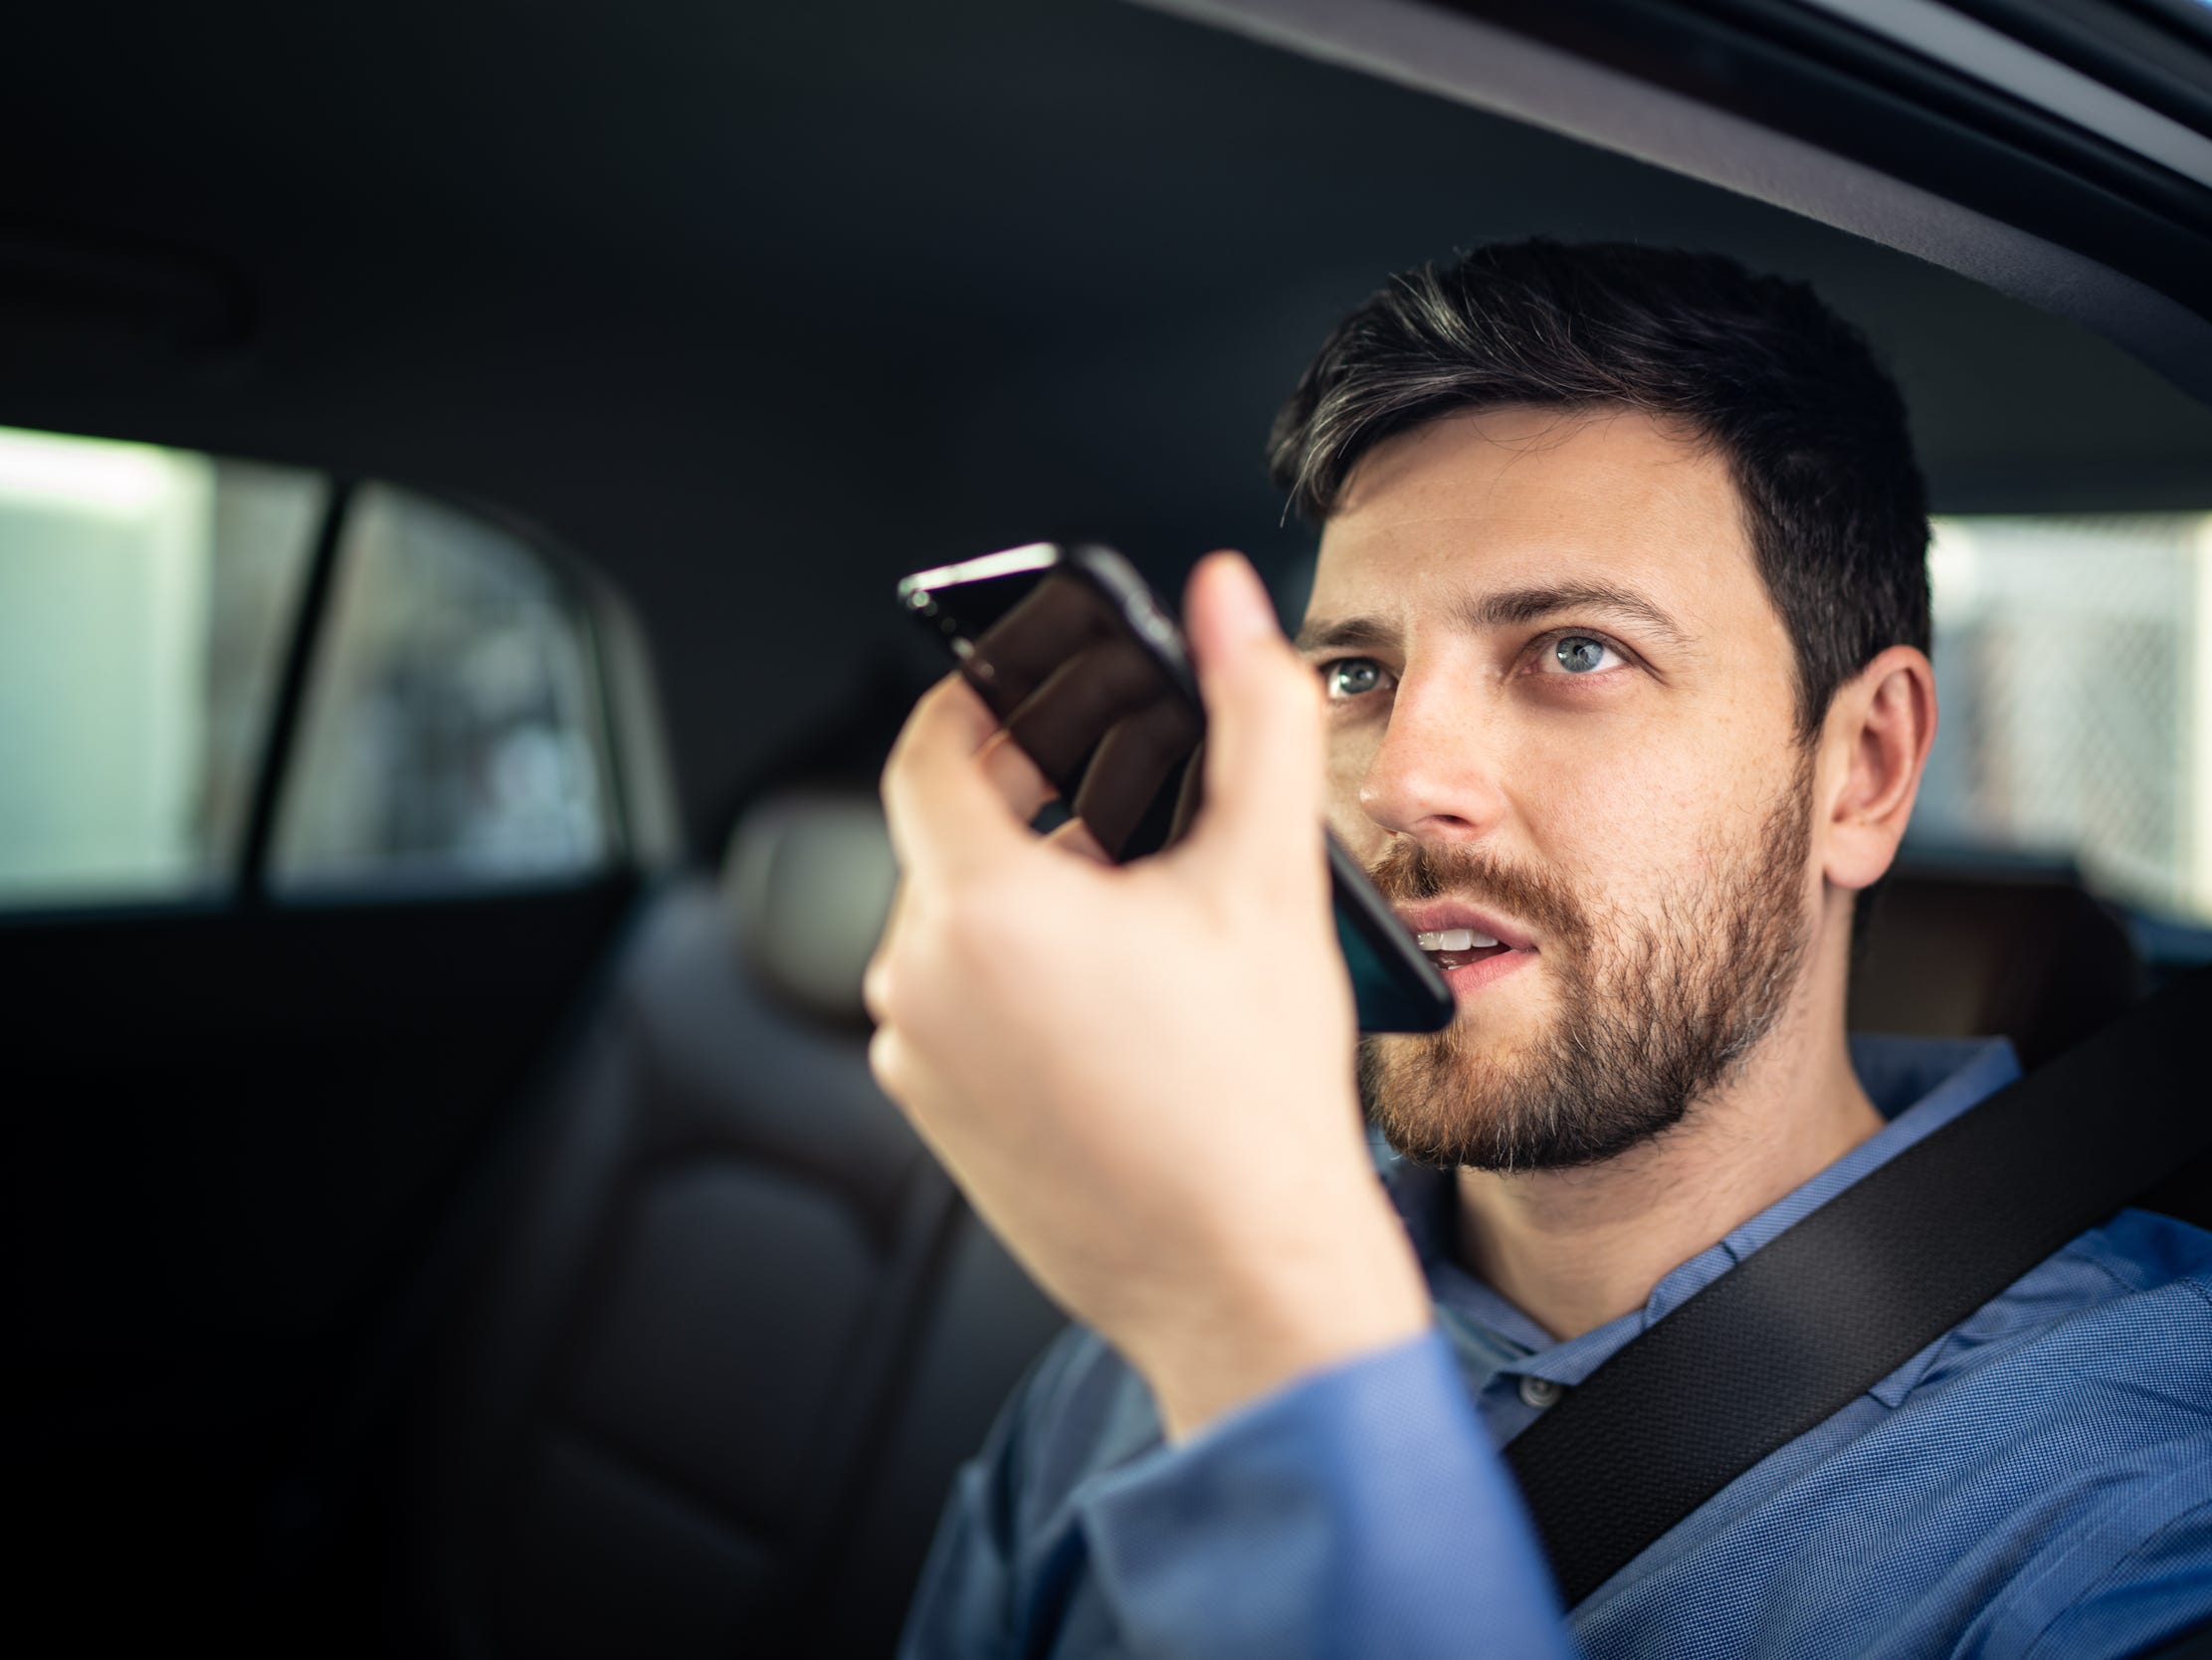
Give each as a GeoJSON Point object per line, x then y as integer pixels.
{"type": "Point", "coordinates": [1917, 1084]}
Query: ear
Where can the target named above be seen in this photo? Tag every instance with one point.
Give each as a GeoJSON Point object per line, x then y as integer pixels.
{"type": "Point", "coordinates": [1874, 746]}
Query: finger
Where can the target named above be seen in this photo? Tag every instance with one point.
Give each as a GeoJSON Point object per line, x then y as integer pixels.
{"type": "Point", "coordinates": [1054, 621]}
{"type": "Point", "coordinates": [1074, 837]}
{"type": "Point", "coordinates": [897, 1069]}
{"type": "Point", "coordinates": [1135, 762]}
{"type": "Point", "coordinates": [875, 979]}
{"type": "Point", "coordinates": [1190, 796]}
{"type": "Point", "coordinates": [943, 813]}
{"type": "Point", "coordinates": [1021, 783]}
{"type": "Point", "coordinates": [1264, 780]}
{"type": "Point", "coordinates": [1062, 721]}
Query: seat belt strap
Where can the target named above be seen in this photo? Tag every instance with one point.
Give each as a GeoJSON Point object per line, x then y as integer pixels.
{"type": "Point", "coordinates": [1833, 1304]}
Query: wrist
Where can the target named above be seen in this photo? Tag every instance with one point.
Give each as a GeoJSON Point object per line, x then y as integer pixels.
{"type": "Point", "coordinates": [1300, 1307]}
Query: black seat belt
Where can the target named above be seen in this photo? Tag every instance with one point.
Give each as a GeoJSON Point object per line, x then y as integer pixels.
{"type": "Point", "coordinates": [1794, 1333]}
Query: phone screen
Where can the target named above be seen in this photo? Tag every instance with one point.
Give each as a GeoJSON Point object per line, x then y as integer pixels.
{"type": "Point", "coordinates": [1097, 708]}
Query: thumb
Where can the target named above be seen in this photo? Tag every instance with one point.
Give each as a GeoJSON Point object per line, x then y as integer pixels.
{"type": "Point", "coordinates": [1264, 800]}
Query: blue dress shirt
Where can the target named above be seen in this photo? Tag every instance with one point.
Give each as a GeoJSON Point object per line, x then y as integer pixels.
{"type": "Point", "coordinates": [2036, 1483]}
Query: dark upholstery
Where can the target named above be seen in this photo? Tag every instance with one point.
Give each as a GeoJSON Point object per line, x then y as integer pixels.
{"type": "Point", "coordinates": [738, 1330]}
{"type": "Point", "coordinates": [2029, 957]}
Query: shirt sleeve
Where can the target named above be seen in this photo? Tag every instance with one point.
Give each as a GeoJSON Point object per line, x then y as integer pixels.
{"type": "Point", "coordinates": [963, 1606]}
{"type": "Point", "coordinates": [2157, 1591]}
{"type": "Point", "coordinates": [1359, 1510]}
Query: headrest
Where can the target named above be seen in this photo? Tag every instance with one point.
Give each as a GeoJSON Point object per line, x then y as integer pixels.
{"type": "Point", "coordinates": [2025, 956]}
{"type": "Point", "coordinates": [808, 878]}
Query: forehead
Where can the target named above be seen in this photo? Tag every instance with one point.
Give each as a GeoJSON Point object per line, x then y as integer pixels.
{"type": "Point", "coordinates": [1517, 498]}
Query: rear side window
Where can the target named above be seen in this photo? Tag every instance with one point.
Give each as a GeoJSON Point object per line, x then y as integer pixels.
{"type": "Point", "coordinates": [453, 728]}
{"type": "Point", "coordinates": [144, 595]}
{"type": "Point", "coordinates": [445, 724]}
{"type": "Point", "coordinates": [2073, 667]}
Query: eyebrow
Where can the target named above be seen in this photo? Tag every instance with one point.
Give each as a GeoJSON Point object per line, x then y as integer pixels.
{"type": "Point", "coordinates": [1507, 608]}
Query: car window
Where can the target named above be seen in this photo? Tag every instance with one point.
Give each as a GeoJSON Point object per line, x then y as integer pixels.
{"type": "Point", "coordinates": [145, 594]}
{"type": "Point", "coordinates": [2073, 667]}
{"type": "Point", "coordinates": [451, 727]}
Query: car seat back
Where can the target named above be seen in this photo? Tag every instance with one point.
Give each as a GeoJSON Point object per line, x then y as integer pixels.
{"type": "Point", "coordinates": [738, 1329]}
{"type": "Point", "coordinates": [2023, 954]}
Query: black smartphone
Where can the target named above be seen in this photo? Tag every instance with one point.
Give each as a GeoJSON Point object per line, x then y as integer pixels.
{"type": "Point", "coordinates": [1086, 669]}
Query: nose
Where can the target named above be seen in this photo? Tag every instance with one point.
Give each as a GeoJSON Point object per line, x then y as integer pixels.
{"type": "Point", "coordinates": [1434, 775]}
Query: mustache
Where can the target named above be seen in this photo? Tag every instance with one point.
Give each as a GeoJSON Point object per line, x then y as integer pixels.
{"type": "Point", "coordinates": [1411, 871]}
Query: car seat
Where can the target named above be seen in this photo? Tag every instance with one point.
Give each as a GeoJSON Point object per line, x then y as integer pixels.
{"type": "Point", "coordinates": [2020, 952]}
{"type": "Point", "coordinates": [709, 1392]}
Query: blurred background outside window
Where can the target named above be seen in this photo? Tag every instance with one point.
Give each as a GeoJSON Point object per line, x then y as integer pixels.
{"type": "Point", "coordinates": [453, 729]}
{"type": "Point", "coordinates": [2073, 667]}
{"type": "Point", "coordinates": [146, 596]}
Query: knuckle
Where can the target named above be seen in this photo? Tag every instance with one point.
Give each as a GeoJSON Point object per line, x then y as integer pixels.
{"type": "Point", "coordinates": [875, 989]}
{"type": "Point", "coordinates": [886, 1063]}
{"type": "Point", "coordinates": [895, 768]}
{"type": "Point", "coordinates": [952, 938]}
{"type": "Point", "coordinates": [888, 983]}
{"type": "Point", "coordinates": [893, 979]}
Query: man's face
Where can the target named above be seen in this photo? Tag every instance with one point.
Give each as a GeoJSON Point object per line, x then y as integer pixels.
{"type": "Point", "coordinates": [1563, 716]}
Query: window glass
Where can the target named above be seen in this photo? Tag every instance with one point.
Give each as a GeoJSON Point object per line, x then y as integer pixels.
{"type": "Point", "coordinates": [451, 729]}
{"type": "Point", "coordinates": [2074, 666]}
{"type": "Point", "coordinates": [144, 597]}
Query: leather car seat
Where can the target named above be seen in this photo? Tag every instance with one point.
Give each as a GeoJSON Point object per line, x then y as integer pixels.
{"type": "Point", "coordinates": [738, 1329]}
{"type": "Point", "coordinates": [2024, 954]}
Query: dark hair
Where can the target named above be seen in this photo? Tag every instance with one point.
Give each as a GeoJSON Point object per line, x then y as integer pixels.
{"type": "Point", "coordinates": [1757, 368]}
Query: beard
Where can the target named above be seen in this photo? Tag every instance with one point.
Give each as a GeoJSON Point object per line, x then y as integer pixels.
{"type": "Point", "coordinates": [1655, 1010]}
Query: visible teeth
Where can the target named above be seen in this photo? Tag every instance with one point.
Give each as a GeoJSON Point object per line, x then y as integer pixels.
{"type": "Point", "coordinates": [1453, 940]}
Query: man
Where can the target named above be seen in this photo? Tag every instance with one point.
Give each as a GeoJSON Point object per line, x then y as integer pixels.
{"type": "Point", "coordinates": [1619, 633]}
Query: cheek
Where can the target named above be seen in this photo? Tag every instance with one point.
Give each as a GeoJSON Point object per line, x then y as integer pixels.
{"type": "Point", "coordinates": [1351, 751]}
{"type": "Point", "coordinates": [1628, 820]}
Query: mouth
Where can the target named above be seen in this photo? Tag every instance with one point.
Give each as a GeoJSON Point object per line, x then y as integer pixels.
{"type": "Point", "coordinates": [1457, 948]}
{"type": "Point", "coordinates": [1459, 938]}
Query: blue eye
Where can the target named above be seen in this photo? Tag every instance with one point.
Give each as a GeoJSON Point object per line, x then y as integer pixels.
{"type": "Point", "coordinates": [1351, 676]}
{"type": "Point", "coordinates": [1578, 654]}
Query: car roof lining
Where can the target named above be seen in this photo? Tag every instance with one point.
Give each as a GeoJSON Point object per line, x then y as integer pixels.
{"type": "Point", "coordinates": [1478, 62]}
{"type": "Point", "coordinates": [2000, 60]}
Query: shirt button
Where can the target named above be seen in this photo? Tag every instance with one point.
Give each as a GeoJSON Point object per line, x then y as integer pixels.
{"type": "Point", "coordinates": [1541, 1392]}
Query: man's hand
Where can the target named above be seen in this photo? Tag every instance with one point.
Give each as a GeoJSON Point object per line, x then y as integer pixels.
{"type": "Point", "coordinates": [1141, 1076]}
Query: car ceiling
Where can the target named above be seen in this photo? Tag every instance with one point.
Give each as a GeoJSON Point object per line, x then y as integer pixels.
{"type": "Point", "coordinates": [758, 308]}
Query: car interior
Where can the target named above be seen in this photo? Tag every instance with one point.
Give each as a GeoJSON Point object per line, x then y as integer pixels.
{"type": "Point", "coordinates": [455, 466]}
